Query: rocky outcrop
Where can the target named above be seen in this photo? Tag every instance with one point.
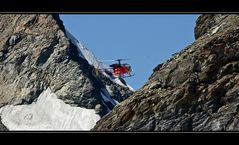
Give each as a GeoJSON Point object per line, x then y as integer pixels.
{"type": "Point", "coordinates": [196, 90]}
{"type": "Point", "coordinates": [36, 54]}
{"type": "Point", "coordinates": [212, 23]}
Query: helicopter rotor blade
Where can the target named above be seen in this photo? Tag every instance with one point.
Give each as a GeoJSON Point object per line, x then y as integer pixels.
{"type": "Point", "coordinates": [106, 60]}
{"type": "Point", "coordinates": [111, 60]}
{"type": "Point", "coordinates": [122, 59]}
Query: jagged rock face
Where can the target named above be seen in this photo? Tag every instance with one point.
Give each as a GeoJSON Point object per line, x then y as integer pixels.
{"type": "Point", "coordinates": [35, 54]}
{"type": "Point", "coordinates": [196, 90]}
{"type": "Point", "coordinates": [214, 22]}
{"type": "Point", "coordinates": [31, 46]}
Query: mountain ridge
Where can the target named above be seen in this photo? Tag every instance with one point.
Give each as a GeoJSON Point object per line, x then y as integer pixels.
{"type": "Point", "coordinates": [36, 56]}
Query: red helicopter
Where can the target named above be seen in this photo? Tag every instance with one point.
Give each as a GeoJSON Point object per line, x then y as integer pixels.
{"type": "Point", "coordinates": [120, 70]}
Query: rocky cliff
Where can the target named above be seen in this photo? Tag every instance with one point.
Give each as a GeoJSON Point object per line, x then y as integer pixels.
{"type": "Point", "coordinates": [195, 90]}
{"type": "Point", "coordinates": [39, 58]}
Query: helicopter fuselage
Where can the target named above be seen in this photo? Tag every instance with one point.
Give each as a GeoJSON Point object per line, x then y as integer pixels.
{"type": "Point", "coordinates": [120, 70]}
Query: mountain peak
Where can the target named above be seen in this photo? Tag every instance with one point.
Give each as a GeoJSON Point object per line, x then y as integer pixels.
{"type": "Point", "coordinates": [37, 54]}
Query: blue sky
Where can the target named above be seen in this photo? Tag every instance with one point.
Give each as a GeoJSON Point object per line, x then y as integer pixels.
{"type": "Point", "coordinates": [146, 39]}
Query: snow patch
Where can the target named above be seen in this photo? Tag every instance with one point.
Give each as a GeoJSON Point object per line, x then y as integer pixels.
{"type": "Point", "coordinates": [48, 113]}
{"type": "Point", "coordinates": [116, 101]}
{"type": "Point", "coordinates": [106, 96]}
{"type": "Point", "coordinates": [130, 87]}
{"type": "Point", "coordinates": [215, 30]}
{"type": "Point", "coordinates": [109, 90]}
{"type": "Point", "coordinates": [76, 43]}
{"type": "Point", "coordinates": [118, 81]}
{"type": "Point", "coordinates": [84, 52]}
